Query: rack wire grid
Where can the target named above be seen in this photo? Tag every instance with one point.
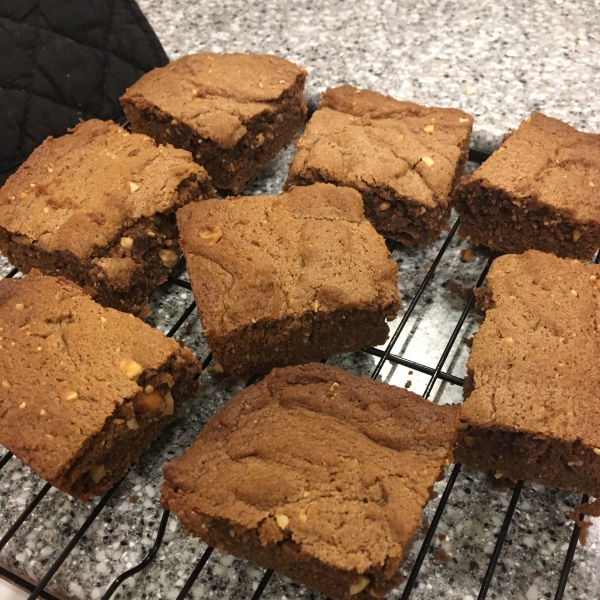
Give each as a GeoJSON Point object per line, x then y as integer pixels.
{"type": "Point", "coordinates": [475, 541]}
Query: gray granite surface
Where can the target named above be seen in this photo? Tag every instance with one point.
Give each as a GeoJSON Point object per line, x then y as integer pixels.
{"type": "Point", "coordinates": [499, 61]}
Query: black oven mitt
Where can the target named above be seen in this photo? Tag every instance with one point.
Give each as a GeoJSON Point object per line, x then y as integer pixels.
{"type": "Point", "coordinates": [65, 60]}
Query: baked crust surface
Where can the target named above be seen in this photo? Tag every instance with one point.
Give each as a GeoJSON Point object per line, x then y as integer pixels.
{"type": "Point", "coordinates": [316, 473]}
{"type": "Point", "coordinates": [402, 157]}
{"type": "Point", "coordinates": [285, 279]}
{"type": "Point", "coordinates": [73, 376]}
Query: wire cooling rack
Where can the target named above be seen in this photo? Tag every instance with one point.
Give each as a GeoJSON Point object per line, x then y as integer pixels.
{"type": "Point", "coordinates": [432, 569]}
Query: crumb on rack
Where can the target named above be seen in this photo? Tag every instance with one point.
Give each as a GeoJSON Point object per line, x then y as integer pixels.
{"type": "Point", "coordinates": [466, 255]}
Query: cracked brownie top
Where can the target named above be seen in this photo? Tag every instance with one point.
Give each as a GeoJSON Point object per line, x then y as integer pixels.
{"type": "Point", "coordinates": [336, 464]}
{"type": "Point", "coordinates": [66, 365]}
{"type": "Point", "coordinates": [216, 94]}
{"type": "Point", "coordinates": [546, 162]}
{"type": "Point", "coordinates": [534, 361]}
{"type": "Point", "coordinates": [373, 142]}
{"type": "Point", "coordinates": [77, 192]}
{"type": "Point", "coordinates": [271, 257]}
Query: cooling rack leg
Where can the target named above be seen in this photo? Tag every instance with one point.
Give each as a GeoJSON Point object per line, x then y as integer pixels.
{"type": "Point", "coordinates": [263, 584]}
{"type": "Point", "coordinates": [5, 459]}
{"type": "Point", "coordinates": [74, 541]}
{"type": "Point", "coordinates": [149, 558]}
{"type": "Point", "coordinates": [186, 313]}
{"type": "Point", "coordinates": [195, 573]}
{"type": "Point", "coordinates": [489, 574]}
{"type": "Point", "coordinates": [23, 516]}
{"type": "Point", "coordinates": [410, 583]}
{"type": "Point", "coordinates": [564, 574]}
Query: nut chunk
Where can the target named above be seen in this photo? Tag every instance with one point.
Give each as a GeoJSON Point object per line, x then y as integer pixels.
{"type": "Point", "coordinates": [85, 389]}
{"type": "Point", "coordinates": [317, 474]}
{"type": "Point", "coordinates": [98, 206]}
{"type": "Point", "coordinates": [540, 190]}
{"type": "Point", "coordinates": [288, 279]}
{"type": "Point", "coordinates": [531, 409]}
{"type": "Point", "coordinates": [233, 112]}
{"type": "Point", "coordinates": [402, 157]}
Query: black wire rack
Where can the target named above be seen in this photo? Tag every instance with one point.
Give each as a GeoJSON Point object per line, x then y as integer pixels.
{"type": "Point", "coordinates": [435, 373]}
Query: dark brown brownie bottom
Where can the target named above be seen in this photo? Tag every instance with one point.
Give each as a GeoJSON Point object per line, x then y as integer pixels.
{"type": "Point", "coordinates": [551, 462]}
{"type": "Point", "coordinates": [114, 276]}
{"type": "Point", "coordinates": [492, 218]}
{"type": "Point", "coordinates": [266, 345]}
{"type": "Point", "coordinates": [398, 219]}
{"type": "Point", "coordinates": [288, 559]}
{"type": "Point", "coordinates": [129, 432]}
{"type": "Point", "coordinates": [394, 217]}
{"type": "Point", "coordinates": [229, 169]}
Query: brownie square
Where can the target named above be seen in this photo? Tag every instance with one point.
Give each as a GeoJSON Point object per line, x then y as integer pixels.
{"type": "Point", "coordinates": [402, 157]}
{"type": "Point", "coordinates": [98, 207]}
{"type": "Point", "coordinates": [233, 112]}
{"type": "Point", "coordinates": [317, 474]}
{"type": "Point", "coordinates": [539, 190]}
{"type": "Point", "coordinates": [84, 389]}
{"type": "Point", "coordinates": [531, 409]}
{"type": "Point", "coordinates": [282, 280]}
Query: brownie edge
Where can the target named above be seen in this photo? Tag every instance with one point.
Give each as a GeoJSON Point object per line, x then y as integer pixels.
{"type": "Point", "coordinates": [84, 389]}
{"type": "Point", "coordinates": [531, 409]}
{"type": "Point", "coordinates": [317, 474]}
{"type": "Point", "coordinates": [233, 112]}
{"type": "Point", "coordinates": [289, 279]}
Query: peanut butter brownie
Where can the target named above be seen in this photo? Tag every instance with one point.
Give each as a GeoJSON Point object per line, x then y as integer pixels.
{"type": "Point", "coordinates": [402, 157]}
{"type": "Point", "coordinates": [531, 409]}
{"type": "Point", "coordinates": [98, 207]}
{"type": "Point", "coordinates": [84, 389]}
{"type": "Point", "coordinates": [288, 279]}
{"type": "Point", "coordinates": [233, 112]}
{"type": "Point", "coordinates": [539, 190]}
{"type": "Point", "coordinates": [317, 474]}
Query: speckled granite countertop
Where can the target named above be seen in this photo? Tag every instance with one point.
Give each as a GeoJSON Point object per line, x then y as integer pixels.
{"type": "Point", "coordinates": [498, 61]}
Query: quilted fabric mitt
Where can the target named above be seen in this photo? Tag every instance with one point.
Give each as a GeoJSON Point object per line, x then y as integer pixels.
{"type": "Point", "coordinates": [62, 60]}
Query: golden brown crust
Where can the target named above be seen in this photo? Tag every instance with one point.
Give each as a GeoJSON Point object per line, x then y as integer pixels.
{"type": "Point", "coordinates": [69, 370]}
{"type": "Point", "coordinates": [548, 162]}
{"type": "Point", "coordinates": [539, 190]}
{"type": "Point", "coordinates": [75, 193]}
{"type": "Point", "coordinates": [216, 94]}
{"type": "Point", "coordinates": [316, 465]}
{"type": "Point", "coordinates": [534, 356]}
{"type": "Point", "coordinates": [392, 152]}
{"type": "Point", "coordinates": [532, 407]}
{"type": "Point", "coordinates": [262, 260]}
